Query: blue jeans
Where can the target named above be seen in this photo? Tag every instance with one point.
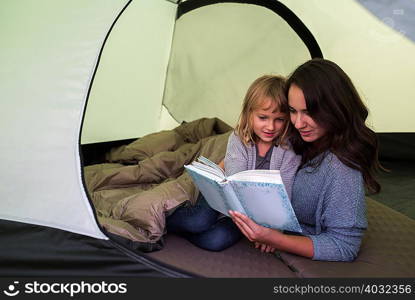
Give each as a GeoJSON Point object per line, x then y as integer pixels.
{"type": "Point", "coordinates": [200, 225]}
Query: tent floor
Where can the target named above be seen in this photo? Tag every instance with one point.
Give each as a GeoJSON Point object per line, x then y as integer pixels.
{"type": "Point", "coordinates": [239, 261]}
{"type": "Point", "coordinates": [387, 251]}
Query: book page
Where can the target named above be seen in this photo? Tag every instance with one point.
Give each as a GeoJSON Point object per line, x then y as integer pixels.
{"type": "Point", "coordinates": [211, 164]}
{"type": "Point", "coordinates": [269, 176]}
{"type": "Point", "coordinates": [267, 204]}
{"type": "Point", "coordinates": [206, 171]}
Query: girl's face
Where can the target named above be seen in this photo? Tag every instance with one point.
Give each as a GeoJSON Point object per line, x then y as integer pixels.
{"type": "Point", "coordinates": [309, 130]}
{"type": "Point", "coordinates": [267, 122]}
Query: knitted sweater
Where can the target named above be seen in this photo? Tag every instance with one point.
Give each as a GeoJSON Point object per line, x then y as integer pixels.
{"type": "Point", "coordinates": [240, 157]}
{"type": "Point", "coordinates": [329, 202]}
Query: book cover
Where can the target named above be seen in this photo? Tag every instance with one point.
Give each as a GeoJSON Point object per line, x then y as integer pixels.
{"type": "Point", "coordinates": [259, 194]}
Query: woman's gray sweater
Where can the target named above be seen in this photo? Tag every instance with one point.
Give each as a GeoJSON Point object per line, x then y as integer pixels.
{"type": "Point", "coordinates": [329, 202]}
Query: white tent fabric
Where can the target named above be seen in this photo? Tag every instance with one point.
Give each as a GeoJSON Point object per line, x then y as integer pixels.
{"type": "Point", "coordinates": [49, 51]}
{"type": "Point", "coordinates": [127, 92]}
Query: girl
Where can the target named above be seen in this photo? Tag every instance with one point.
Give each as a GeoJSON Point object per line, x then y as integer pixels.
{"type": "Point", "coordinates": [262, 125]}
{"type": "Point", "coordinates": [256, 143]}
{"type": "Point", "coordinates": [339, 157]}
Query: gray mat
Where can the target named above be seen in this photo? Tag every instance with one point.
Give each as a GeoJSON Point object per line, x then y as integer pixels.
{"type": "Point", "coordinates": [388, 250]}
{"type": "Point", "coordinates": [240, 261]}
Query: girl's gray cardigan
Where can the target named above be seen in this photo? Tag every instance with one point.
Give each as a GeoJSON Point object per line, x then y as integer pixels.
{"type": "Point", "coordinates": [240, 157]}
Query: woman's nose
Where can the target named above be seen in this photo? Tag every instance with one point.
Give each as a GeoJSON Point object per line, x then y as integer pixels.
{"type": "Point", "coordinates": [298, 121]}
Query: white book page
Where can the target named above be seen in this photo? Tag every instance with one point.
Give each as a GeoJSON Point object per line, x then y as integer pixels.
{"type": "Point", "coordinates": [205, 172]}
{"type": "Point", "coordinates": [211, 164]}
{"type": "Point", "coordinates": [266, 176]}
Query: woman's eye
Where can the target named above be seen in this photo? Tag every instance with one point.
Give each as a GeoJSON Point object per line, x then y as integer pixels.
{"type": "Point", "coordinates": [291, 110]}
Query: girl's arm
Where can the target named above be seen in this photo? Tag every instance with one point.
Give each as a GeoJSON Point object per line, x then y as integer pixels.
{"type": "Point", "coordinates": [289, 166]}
{"type": "Point", "coordinates": [236, 157]}
{"type": "Point", "coordinates": [300, 245]}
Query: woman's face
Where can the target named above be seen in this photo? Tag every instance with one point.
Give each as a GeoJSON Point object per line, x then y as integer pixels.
{"type": "Point", "coordinates": [309, 130]}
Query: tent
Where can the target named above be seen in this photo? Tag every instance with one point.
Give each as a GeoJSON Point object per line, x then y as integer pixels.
{"type": "Point", "coordinates": [82, 74]}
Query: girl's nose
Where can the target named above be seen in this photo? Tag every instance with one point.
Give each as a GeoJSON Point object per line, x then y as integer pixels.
{"type": "Point", "coordinates": [270, 125]}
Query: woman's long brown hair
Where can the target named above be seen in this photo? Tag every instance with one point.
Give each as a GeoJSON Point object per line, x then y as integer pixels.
{"type": "Point", "coordinates": [334, 103]}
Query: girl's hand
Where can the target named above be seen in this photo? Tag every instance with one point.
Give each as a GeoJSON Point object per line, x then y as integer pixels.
{"type": "Point", "coordinates": [253, 231]}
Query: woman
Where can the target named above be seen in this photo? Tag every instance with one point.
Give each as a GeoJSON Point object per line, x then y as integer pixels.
{"type": "Point", "coordinates": [339, 158]}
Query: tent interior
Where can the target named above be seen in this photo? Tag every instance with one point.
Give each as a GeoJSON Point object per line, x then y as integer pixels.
{"type": "Point", "coordinates": [95, 99]}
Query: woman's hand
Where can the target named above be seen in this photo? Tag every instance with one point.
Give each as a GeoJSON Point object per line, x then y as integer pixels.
{"type": "Point", "coordinates": [264, 247]}
{"type": "Point", "coordinates": [255, 233]}
{"type": "Point", "coordinates": [267, 238]}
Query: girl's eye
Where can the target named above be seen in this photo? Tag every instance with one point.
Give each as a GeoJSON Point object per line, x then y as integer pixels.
{"type": "Point", "coordinates": [262, 117]}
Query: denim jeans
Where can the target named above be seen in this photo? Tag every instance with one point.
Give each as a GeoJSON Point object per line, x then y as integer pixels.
{"type": "Point", "coordinates": [200, 225]}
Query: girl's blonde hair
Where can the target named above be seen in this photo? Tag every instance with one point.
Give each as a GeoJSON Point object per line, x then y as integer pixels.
{"type": "Point", "coordinates": [267, 86]}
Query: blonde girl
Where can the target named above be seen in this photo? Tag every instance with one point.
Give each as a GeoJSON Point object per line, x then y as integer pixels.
{"type": "Point", "coordinates": [256, 143]}
{"type": "Point", "coordinates": [258, 140]}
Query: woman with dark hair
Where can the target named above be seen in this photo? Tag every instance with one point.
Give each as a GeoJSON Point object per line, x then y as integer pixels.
{"type": "Point", "coordinates": [339, 158]}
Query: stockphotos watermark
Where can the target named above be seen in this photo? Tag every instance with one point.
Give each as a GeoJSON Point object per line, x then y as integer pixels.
{"type": "Point", "coordinates": [64, 288]}
{"type": "Point", "coordinates": [393, 21]}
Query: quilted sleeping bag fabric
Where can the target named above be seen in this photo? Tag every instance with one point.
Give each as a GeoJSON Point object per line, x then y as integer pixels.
{"type": "Point", "coordinates": [143, 182]}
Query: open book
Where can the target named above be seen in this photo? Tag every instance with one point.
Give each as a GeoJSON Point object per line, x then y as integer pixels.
{"type": "Point", "coordinates": [259, 194]}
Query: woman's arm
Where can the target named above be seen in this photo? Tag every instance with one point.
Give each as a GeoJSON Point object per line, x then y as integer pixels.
{"type": "Point", "coordinates": [300, 245]}
{"type": "Point", "coordinates": [342, 217]}
{"type": "Point", "coordinates": [339, 215]}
